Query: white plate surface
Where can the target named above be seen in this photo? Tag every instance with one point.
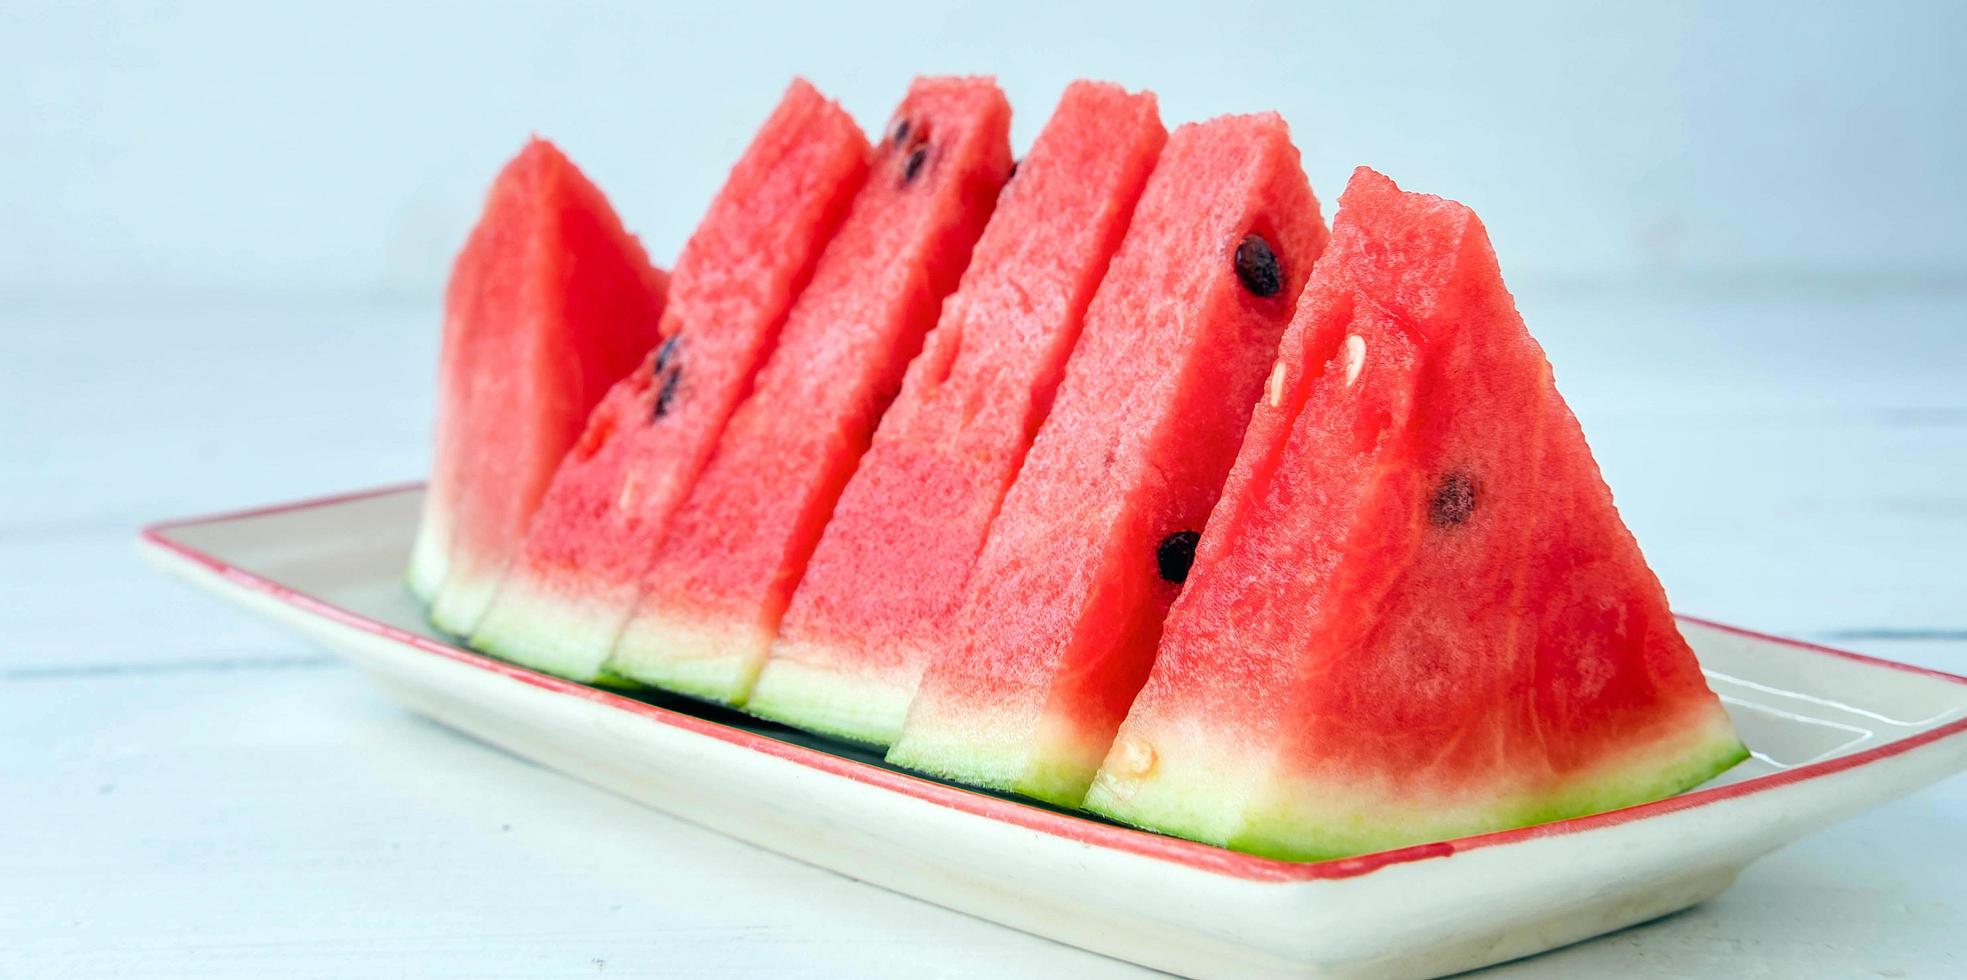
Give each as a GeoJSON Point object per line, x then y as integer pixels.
{"type": "Point", "coordinates": [1832, 733]}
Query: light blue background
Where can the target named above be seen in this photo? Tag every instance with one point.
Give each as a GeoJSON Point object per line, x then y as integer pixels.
{"type": "Point", "coordinates": [341, 148]}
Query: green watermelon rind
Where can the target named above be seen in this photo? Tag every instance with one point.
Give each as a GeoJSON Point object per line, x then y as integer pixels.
{"type": "Point", "coordinates": [859, 708]}
{"type": "Point", "coordinates": [1195, 811]}
{"type": "Point", "coordinates": [1058, 780]}
{"type": "Point", "coordinates": [547, 632]}
{"type": "Point", "coordinates": [692, 658]}
{"type": "Point", "coordinates": [1040, 768]}
{"type": "Point", "coordinates": [1059, 785]}
{"type": "Point", "coordinates": [1001, 771]}
{"type": "Point", "coordinates": [616, 682]}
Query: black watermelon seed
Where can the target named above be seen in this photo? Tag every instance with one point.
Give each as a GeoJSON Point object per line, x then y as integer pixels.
{"type": "Point", "coordinates": [668, 392]}
{"type": "Point", "coordinates": [1175, 554]}
{"type": "Point", "coordinates": [1014, 169]}
{"type": "Point", "coordinates": [901, 132]}
{"type": "Point", "coordinates": [1258, 267]}
{"type": "Point", "coordinates": [914, 164]}
{"type": "Point", "coordinates": [1454, 501]}
{"type": "Point", "coordinates": [666, 353]}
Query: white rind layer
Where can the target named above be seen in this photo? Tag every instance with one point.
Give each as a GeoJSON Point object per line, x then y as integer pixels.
{"type": "Point", "coordinates": [712, 661]}
{"type": "Point", "coordinates": [858, 705]}
{"type": "Point", "coordinates": [430, 556]}
{"type": "Point", "coordinates": [462, 602]}
{"type": "Point", "coordinates": [1005, 739]}
{"type": "Point", "coordinates": [1153, 780]}
{"type": "Point", "coordinates": [549, 632]}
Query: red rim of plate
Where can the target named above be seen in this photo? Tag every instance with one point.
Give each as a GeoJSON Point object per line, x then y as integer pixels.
{"type": "Point", "coordinates": [1205, 857]}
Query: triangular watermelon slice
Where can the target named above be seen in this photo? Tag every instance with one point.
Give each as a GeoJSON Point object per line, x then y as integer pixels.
{"type": "Point", "coordinates": [874, 602]}
{"type": "Point", "coordinates": [580, 572]}
{"type": "Point", "coordinates": [1064, 606]}
{"type": "Point", "coordinates": [722, 577]}
{"type": "Point", "coordinates": [1416, 614]}
{"type": "Point", "coordinates": [550, 302]}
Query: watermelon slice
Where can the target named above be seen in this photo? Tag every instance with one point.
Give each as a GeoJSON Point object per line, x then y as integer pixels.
{"type": "Point", "coordinates": [722, 577]}
{"type": "Point", "coordinates": [1416, 614]}
{"type": "Point", "coordinates": [550, 302]}
{"type": "Point", "coordinates": [579, 574]}
{"type": "Point", "coordinates": [892, 561]}
{"type": "Point", "coordinates": [1060, 620]}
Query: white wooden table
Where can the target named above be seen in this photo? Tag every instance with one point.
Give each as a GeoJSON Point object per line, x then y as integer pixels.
{"type": "Point", "coordinates": [185, 792]}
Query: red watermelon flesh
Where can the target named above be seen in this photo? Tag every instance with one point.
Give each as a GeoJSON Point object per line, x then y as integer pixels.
{"type": "Point", "coordinates": [579, 574]}
{"type": "Point", "coordinates": [1060, 619]}
{"type": "Point", "coordinates": [1416, 614]}
{"type": "Point", "coordinates": [721, 580]}
{"type": "Point", "coordinates": [550, 302]}
{"type": "Point", "coordinates": [875, 598]}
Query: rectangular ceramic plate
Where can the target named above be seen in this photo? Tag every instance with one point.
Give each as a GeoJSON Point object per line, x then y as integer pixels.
{"type": "Point", "coordinates": [1832, 733]}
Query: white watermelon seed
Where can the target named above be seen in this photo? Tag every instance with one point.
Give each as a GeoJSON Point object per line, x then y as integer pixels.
{"type": "Point", "coordinates": [1355, 357]}
{"type": "Point", "coordinates": [1132, 758]}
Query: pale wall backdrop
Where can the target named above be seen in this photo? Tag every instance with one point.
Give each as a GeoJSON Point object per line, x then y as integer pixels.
{"type": "Point", "coordinates": [340, 147]}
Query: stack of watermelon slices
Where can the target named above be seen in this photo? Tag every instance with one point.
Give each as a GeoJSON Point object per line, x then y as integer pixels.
{"type": "Point", "coordinates": [724, 573]}
{"type": "Point", "coordinates": [579, 571]}
{"type": "Point", "coordinates": [550, 301]}
{"type": "Point", "coordinates": [1416, 591]}
{"type": "Point", "coordinates": [1058, 625]}
{"type": "Point", "coordinates": [1003, 467]}
{"type": "Point", "coordinates": [877, 597]}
